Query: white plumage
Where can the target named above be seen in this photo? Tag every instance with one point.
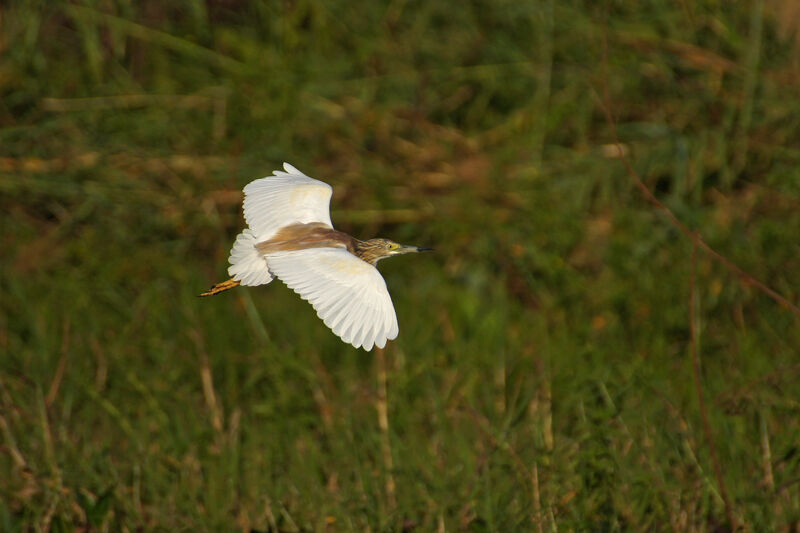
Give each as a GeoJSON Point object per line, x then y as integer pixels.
{"type": "Point", "coordinates": [285, 198]}
{"type": "Point", "coordinates": [349, 294]}
{"type": "Point", "coordinates": [247, 265]}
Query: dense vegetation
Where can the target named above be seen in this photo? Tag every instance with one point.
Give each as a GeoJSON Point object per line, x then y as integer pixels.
{"type": "Point", "coordinates": [544, 374]}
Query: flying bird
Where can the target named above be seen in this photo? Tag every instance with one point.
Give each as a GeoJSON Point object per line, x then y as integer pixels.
{"type": "Point", "coordinates": [290, 237]}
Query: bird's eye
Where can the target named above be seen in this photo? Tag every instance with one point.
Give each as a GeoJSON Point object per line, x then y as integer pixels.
{"type": "Point", "coordinates": [393, 246]}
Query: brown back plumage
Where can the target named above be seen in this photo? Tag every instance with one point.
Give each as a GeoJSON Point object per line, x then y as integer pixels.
{"type": "Point", "coordinates": [304, 236]}
{"type": "Point", "coordinates": [318, 235]}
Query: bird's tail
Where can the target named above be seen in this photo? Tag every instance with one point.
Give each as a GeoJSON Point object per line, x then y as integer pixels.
{"type": "Point", "coordinates": [222, 286]}
{"type": "Point", "coordinates": [248, 266]}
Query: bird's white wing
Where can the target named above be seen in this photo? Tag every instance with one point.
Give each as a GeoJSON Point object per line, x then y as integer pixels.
{"type": "Point", "coordinates": [349, 294]}
{"type": "Point", "coordinates": [285, 198]}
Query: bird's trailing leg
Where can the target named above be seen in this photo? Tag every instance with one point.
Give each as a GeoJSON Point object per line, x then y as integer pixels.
{"type": "Point", "coordinates": [222, 286]}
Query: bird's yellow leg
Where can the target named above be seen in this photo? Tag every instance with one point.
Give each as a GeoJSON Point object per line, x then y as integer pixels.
{"type": "Point", "coordinates": [219, 287]}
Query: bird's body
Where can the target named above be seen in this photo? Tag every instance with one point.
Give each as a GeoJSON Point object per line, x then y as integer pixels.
{"type": "Point", "coordinates": [290, 236]}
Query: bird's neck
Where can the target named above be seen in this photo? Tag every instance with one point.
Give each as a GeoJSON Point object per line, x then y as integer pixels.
{"type": "Point", "coordinates": [366, 251]}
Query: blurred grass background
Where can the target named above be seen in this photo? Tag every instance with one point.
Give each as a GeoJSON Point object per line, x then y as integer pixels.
{"type": "Point", "coordinates": [542, 378]}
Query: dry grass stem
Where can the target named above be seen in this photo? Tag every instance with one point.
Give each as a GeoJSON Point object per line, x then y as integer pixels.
{"type": "Point", "coordinates": [383, 425]}
{"type": "Point", "coordinates": [210, 395]}
{"type": "Point", "coordinates": [61, 368]}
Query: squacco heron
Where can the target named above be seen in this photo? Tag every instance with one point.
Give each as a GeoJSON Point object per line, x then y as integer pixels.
{"type": "Point", "coordinates": [290, 236]}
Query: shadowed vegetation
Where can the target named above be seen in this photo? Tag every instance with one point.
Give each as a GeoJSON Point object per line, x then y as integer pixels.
{"type": "Point", "coordinates": [543, 376]}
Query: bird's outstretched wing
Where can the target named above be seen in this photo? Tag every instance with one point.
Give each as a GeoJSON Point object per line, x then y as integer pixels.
{"type": "Point", "coordinates": [285, 198]}
{"type": "Point", "coordinates": [348, 294]}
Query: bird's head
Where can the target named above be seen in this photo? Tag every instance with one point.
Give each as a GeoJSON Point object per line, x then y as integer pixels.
{"type": "Point", "coordinates": [374, 250]}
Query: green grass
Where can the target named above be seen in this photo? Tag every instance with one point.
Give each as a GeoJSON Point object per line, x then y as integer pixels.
{"type": "Point", "coordinates": [543, 375]}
